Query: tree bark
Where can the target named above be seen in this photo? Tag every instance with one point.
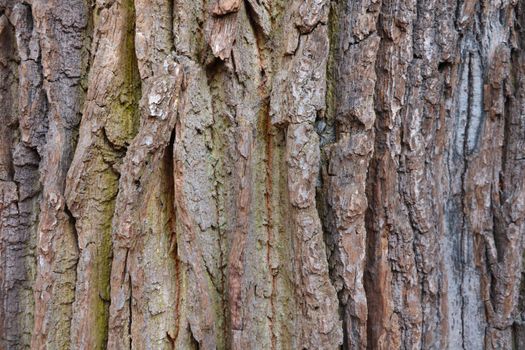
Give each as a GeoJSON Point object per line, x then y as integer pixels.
{"type": "Point", "coordinates": [262, 174]}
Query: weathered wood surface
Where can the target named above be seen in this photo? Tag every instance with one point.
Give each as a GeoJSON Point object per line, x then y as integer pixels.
{"type": "Point", "coordinates": [262, 174]}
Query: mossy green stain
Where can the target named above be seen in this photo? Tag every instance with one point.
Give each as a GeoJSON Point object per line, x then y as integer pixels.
{"type": "Point", "coordinates": [102, 182]}
{"type": "Point", "coordinates": [123, 118]}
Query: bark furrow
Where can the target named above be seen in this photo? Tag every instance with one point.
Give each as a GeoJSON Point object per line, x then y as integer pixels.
{"type": "Point", "coordinates": [262, 174]}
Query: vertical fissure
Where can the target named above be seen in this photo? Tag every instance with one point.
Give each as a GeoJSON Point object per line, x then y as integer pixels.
{"type": "Point", "coordinates": [464, 225]}
{"type": "Point", "coordinates": [130, 305]}
{"type": "Point", "coordinates": [269, 210]}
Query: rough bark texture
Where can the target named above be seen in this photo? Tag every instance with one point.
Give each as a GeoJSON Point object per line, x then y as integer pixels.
{"type": "Point", "coordinates": [262, 174]}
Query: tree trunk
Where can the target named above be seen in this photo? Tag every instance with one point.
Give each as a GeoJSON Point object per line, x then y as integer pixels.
{"type": "Point", "coordinates": [262, 174]}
